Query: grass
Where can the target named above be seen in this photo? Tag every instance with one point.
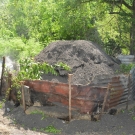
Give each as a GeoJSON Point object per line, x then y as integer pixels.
{"type": "Point", "coordinates": [23, 125]}
{"type": "Point", "coordinates": [34, 129]}
{"type": "Point", "coordinates": [39, 112]}
{"type": "Point", "coordinates": [14, 121]}
{"type": "Point", "coordinates": [122, 111]}
{"type": "Point", "coordinates": [1, 103]}
{"type": "Point", "coordinates": [50, 129]}
{"type": "Point", "coordinates": [133, 117]}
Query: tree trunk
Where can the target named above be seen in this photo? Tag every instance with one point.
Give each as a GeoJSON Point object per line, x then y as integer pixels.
{"type": "Point", "coordinates": [132, 32]}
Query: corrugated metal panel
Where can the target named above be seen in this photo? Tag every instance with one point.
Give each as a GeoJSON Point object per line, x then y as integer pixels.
{"type": "Point", "coordinates": [119, 88]}
{"type": "Point", "coordinates": [133, 83]}
{"type": "Point", "coordinates": [126, 59]}
{"type": "Point", "coordinates": [86, 98]}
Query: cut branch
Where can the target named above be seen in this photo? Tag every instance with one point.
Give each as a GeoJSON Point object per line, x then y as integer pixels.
{"type": "Point", "coordinates": [114, 12]}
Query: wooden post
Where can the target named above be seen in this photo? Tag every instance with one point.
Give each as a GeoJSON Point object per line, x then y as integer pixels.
{"type": "Point", "coordinates": [9, 86]}
{"type": "Point", "coordinates": [3, 68]}
{"type": "Point", "coordinates": [105, 98]}
{"type": "Point", "coordinates": [23, 96]}
{"type": "Point", "coordinates": [69, 81]}
{"type": "Point", "coordinates": [129, 84]}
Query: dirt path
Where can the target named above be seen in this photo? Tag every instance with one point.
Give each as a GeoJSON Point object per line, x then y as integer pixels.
{"type": "Point", "coordinates": [9, 127]}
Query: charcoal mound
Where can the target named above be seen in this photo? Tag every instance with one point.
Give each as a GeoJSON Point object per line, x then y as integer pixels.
{"type": "Point", "coordinates": [86, 59]}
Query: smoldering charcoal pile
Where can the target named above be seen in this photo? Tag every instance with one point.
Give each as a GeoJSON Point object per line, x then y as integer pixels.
{"type": "Point", "coordinates": [85, 58]}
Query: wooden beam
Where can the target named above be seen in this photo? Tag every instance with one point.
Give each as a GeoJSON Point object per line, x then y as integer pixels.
{"type": "Point", "coordinates": [2, 72]}
{"type": "Point", "coordinates": [69, 81]}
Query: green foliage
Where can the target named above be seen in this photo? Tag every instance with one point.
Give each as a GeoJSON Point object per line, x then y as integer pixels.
{"type": "Point", "coordinates": [17, 49]}
{"type": "Point", "coordinates": [32, 70]}
{"type": "Point", "coordinates": [78, 21]}
{"type": "Point", "coordinates": [125, 68]}
{"type": "Point", "coordinates": [34, 129]}
{"type": "Point", "coordinates": [39, 112]}
{"type": "Point", "coordinates": [123, 111]}
{"type": "Point", "coordinates": [101, 21]}
{"type": "Point", "coordinates": [2, 102]}
{"type": "Point", "coordinates": [1, 105]}
{"type": "Point", "coordinates": [112, 48]}
{"type": "Point", "coordinates": [51, 129]}
{"type": "Point", "coordinates": [133, 117]}
{"type": "Point", "coordinates": [16, 85]}
{"type": "Point", "coordinates": [63, 66]}
{"type": "Point", "coordinates": [59, 20]}
{"type": "Point", "coordinates": [29, 70]}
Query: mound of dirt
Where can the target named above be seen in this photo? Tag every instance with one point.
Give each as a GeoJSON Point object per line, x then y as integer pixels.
{"type": "Point", "coordinates": [85, 58]}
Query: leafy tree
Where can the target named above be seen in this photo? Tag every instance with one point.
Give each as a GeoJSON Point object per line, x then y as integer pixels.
{"type": "Point", "coordinates": [16, 48]}
{"type": "Point", "coordinates": [107, 22]}
{"type": "Point", "coordinates": [126, 11]}
{"type": "Point", "coordinates": [45, 23]}
{"type": "Point", "coordinates": [77, 21]}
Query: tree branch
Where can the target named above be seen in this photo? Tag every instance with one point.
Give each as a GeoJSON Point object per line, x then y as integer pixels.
{"type": "Point", "coordinates": [127, 5]}
{"type": "Point", "coordinates": [115, 2]}
{"type": "Point", "coordinates": [119, 2]}
{"type": "Point", "coordinates": [114, 12]}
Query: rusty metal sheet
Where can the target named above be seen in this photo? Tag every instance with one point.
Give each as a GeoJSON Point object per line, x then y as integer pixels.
{"type": "Point", "coordinates": [78, 104]}
{"type": "Point", "coordinates": [83, 98]}
{"type": "Point", "coordinates": [116, 91]}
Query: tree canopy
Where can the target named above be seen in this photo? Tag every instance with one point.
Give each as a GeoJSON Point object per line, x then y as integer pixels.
{"type": "Point", "coordinates": [110, 23]}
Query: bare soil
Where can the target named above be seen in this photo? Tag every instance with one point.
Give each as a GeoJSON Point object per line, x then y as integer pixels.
{"type": "Point", "coordinates": [16, 122]}
{"type": "Point", "coordinates": [86, 59]}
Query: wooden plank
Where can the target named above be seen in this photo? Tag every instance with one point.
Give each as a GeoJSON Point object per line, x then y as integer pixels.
{"type": "Point", "coordinates": [3, 68]}
{"type": "Point", "coordinates": [8, 91]}
{"type": "Point", "coordinates": [69, 81]}
{"type": "Point", "coordinates": [23, 96]}
{"type": "Point", "coordinates": [129, 84]}
{"type": "Point", "coordinates": [105, 99]}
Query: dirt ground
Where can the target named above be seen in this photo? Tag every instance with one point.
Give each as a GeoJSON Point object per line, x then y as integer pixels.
{"type": "Point", "coordinates": [16, 122]}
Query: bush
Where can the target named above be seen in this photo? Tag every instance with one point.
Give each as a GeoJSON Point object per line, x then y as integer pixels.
{"type": "Point", "coordinates": [125, 68]}
{"type": "Point", "coordinates": [16, 48]}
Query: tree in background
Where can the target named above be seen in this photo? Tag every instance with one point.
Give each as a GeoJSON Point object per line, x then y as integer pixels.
{"type": "Point", "coordinates": [77, 21]}
{"type": "Point", "coordinates": [109, 23]}
{"type": "Point", "coordinates": [125, 12]}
